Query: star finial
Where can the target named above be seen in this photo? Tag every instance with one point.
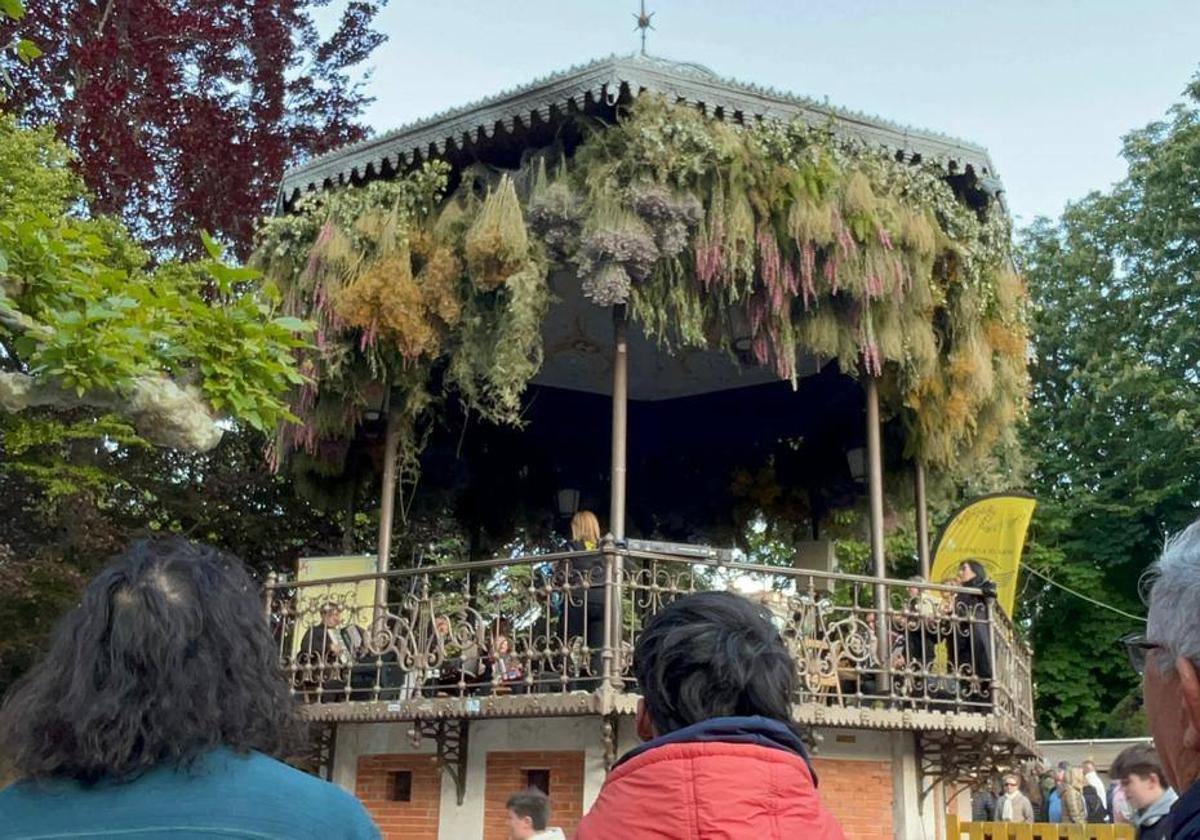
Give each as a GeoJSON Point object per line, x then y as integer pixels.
{"type": "Point", "coordinates": [643, 23]}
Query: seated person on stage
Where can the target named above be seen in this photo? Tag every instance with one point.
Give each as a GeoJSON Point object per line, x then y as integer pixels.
{"type": "Point", "coordinates": [923, 623]}
{"type": "Point", "coordinates": [453, 661]}
{"type": "Point", "coordinates": [332, 651]}
{"type": "Point", "coordinates": [859, 671]}
{"type": "Point", "coordinates": [717, 687]}
{"type": "Point", "coordinates": [506, 670]}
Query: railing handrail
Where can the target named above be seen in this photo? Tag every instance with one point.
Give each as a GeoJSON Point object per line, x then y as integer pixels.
{"type": "Point", "coordinates": [906, 654]}
{"type": "Point", "coordinates": [550, 557]}
{"type": "Point", "coordinates": [464, 566]}
{"type": "Point", "coordinates": [792, 571]}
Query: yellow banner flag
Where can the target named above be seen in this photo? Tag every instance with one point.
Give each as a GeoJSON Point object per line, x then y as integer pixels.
{"type": "Point", "coordinates": [356, 600]}
{"type": "Point", "coordinates": [991, 530]}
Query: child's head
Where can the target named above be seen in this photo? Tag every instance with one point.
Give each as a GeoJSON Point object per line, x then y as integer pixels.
{"type": "Point", "coordinates": [712, 654]}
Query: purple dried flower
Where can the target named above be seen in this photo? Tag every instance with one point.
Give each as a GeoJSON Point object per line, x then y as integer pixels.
{"type": "Point", "coordinates": [556, 216]}
{"type": "Point", "coordinates": [633, 249]}
{"type": "Point", "coordinates": [607, 286]}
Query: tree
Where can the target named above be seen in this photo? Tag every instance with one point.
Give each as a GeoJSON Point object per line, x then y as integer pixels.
{"type": "Point", "coordinates": [1113, 427]}
{"type": "Point", "coordinates": [184, 113]}
{"type": "Point", "coordinates": [86, 322]}
{"type": "Point", "coordinates": [102, 353]}
{"type": "Point", "coordinates": [50, 545]}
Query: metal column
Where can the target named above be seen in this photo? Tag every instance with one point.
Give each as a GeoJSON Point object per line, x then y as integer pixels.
{"type": "Point", "coordinates": [615, 566]}
{"type": "Point", "coordinates": [875, 495]}
{"type": "Point", "coordinates": [620, 417]}
{"type": "Point", "coordinates": [387, 508]}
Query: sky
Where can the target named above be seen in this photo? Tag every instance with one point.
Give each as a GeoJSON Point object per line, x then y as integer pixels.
{"type": "Point", "coordinates": [1049, 87]}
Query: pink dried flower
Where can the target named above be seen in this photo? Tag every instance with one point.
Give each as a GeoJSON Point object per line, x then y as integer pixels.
{"type": "Point", "coordinates": [872, 360]}
{"type": "Point", "coordinates": [761, 349]}
{"type": "Point", "coordinates": [808, 268]}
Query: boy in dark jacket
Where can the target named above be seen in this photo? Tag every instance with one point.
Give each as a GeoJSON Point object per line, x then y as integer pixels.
{"type": "Point", "coordinates": [721, 756]}
{"type": "Point", "coordinates": [1140, 774]}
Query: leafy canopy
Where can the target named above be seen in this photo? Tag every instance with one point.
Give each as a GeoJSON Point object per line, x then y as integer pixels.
{"type": "Point", "coordinates": [1115, 411]}
{"type": "Point", "coordinates": [87, 320]}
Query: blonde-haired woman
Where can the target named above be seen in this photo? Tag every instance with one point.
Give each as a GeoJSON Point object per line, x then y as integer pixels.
{"type": "Point", "coordinates": [584, 616]}
{"type": "Point", "coordinates": [585, 530]}
{"type": "Point", "coordinates": [1074, 807]}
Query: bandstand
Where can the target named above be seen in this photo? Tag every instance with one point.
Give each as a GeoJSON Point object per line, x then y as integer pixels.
{"type": "Point", "coordinates": [721, 277]}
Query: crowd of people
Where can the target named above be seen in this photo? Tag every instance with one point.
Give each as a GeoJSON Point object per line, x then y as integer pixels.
{"type": "Point", "coordinates": [1062, 794]}
{"type": "Point", "coordinates": [159, 710]}
{"type": "Point", "coordinates": [938, 642]}
{"type": "Point", "coordinates": [1137, 793]}
{"type": "Point", "coordinates": [334, 660]}
{"type": "Point", "coordinates": [929, 620]}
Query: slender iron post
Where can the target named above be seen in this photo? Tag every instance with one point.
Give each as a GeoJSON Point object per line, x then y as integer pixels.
{"type": "Point", "coordinates": [989, 694]}
{"type": "Point", "coordinates": [387, 509]}
{"type": "Point", "coordinates": [875, 494]}
{"type": "Point", "coordinates": [922, 514]}
{"type": "Point", "coordinates": [610, 669]}
{"type": "Point", "coordinates": [620, 418]}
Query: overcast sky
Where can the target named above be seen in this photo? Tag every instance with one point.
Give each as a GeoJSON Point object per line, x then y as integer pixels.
{"type": "Point", "coordinates": [1047, 86]}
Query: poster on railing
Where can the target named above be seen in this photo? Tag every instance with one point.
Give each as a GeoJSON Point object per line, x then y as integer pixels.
{"type": "Point", "coordinates": [354, 600]}
{"type": "Point", "coordinates": [991, 530]}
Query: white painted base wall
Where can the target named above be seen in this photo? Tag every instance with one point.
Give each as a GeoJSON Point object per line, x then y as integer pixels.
{"type": "Point", "coordinates": [911, 821]}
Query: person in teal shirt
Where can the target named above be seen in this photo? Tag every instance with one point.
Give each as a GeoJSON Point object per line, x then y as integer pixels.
{"type": "Point", "coordinates": [156, 711]}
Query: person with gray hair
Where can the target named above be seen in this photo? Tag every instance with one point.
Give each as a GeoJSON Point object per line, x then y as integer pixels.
{"type": "Point", "coordinates": [1168, 657]}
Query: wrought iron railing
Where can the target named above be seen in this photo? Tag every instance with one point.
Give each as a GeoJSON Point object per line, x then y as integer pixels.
{"type": "Point", "coordinates": [568, 622]}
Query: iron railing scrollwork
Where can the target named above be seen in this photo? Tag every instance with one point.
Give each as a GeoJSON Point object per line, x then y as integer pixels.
{"type": "Point", "coordinates": [568, 622]}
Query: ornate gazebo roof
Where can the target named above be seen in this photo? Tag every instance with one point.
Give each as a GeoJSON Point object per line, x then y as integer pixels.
{"type": "Point", "coordinates": [751, 239]}
{"type": "Point", "coordinates": [531, 115]}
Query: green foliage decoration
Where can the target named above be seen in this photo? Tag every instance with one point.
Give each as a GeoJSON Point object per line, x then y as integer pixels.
{"type": "Point", "coordinates": [804, 244]}
{"type": "Point", "coordinates": [410, 292]}
{"type": "Point", "coordinates": [711, 233]}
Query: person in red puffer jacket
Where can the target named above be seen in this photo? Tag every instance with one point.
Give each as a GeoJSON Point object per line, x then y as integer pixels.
{"type": "Point", "coordinates": [721, 758]}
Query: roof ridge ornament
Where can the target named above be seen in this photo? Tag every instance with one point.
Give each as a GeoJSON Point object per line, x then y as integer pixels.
{"type": "Point", "coordinates": [643, 23]}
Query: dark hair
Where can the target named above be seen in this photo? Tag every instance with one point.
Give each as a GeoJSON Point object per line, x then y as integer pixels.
{"type": "Point", "coordinates": [978, 571]}
{"type": "Point", "coordinates": [167, 656]}
{"type": "Point", "coordinates": [713, 654]}
{"type": "Point", "coordinates": [531, 803]}
{"type": "Point", "coordinates": [1140, 759]}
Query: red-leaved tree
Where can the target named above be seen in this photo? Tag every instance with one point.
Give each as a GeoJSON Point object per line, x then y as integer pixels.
{"type": "Point", "coordinates": [185, 113]}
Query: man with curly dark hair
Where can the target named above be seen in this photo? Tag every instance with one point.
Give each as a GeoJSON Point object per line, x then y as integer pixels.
{"type": "Point", "coordinates": [155, 710]}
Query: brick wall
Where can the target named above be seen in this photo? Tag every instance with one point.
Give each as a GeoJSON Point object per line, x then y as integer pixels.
{"type": "Point", "coordinates": [413, 820]}
{"type": "Point", "coordinates": [506, 774]}
{"type": "Point", "coordinates": [859, 794]}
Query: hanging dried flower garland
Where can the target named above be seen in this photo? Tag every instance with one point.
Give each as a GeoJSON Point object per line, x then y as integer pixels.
{"type": "Point", "coordinates": [821, 248]}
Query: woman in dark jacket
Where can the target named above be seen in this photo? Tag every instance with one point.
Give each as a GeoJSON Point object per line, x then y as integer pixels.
{"type": "Point", "coordinates": [584, 614]}
{"type": "Point", "coordinates": [972, 649]}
